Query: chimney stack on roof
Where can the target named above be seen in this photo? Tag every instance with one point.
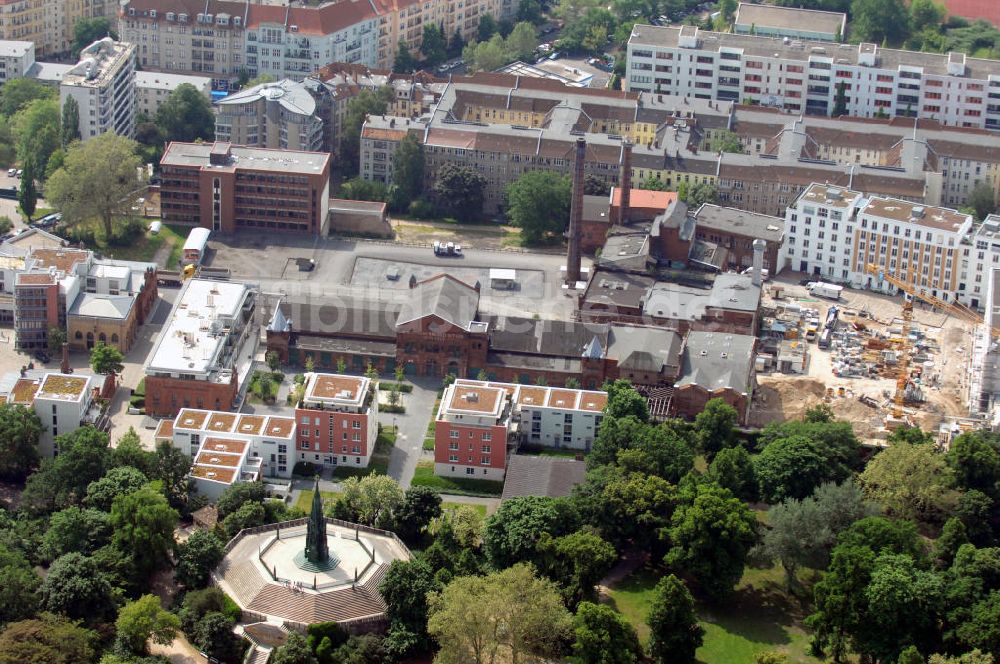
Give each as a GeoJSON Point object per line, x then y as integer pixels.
{"type": "Point", "coordinates": [625, 183]}
{"type": "Point", "coordinates": [576, 214]}
{"type": "Point", "coordinates": [758, 261]}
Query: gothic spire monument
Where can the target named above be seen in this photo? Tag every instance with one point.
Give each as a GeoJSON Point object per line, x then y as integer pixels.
{"type": "Point", "coordinates": [317, 548]}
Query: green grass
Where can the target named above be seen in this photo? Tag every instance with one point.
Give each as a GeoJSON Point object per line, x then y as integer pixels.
{"type": "Point", "coordinates": [429, 435]}
{"type": "Point", "coordinates": [549, 451]}
{"type": "Point", "coordinates": [305, 500]}
{"type": "Point", "coordinates": [759, 616]}
{"type": "Point", "coordinates": [424, 476]}
{"type": "Point", "coordinates": [454, 506]}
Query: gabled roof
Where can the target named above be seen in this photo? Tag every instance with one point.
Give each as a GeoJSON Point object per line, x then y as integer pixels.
{"type": "Point", "coordinates": [445, 297]}
{"type": "Point", "coordinates": [594, 350]}
{"type": "Point", "coordinates": [717, 361]}
{"type": "Point", "coordinates": [278, 322]}
{"type": "Point", "coordinates": [644, 348]}
{"type": "Point", "coordinates": [553, 477]}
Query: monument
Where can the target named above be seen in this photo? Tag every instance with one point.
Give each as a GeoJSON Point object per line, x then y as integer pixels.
{"type": "Point", "coordinates": [316, 556]}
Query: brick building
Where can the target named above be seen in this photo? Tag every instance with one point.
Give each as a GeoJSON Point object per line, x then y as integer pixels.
{"type": "Point", "coordinates": [471, 432]}
{"type": "Point", "coordinates": [337, 420]}
{"type": "Point", "coordinates": [228, 188]}
{"type": "Point", "coordinates": [205, 352]}
{"type": "Point", "coordinates": [716, 365]}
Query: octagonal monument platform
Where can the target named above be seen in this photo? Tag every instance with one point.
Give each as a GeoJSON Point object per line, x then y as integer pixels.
{"type": "Point", "coordinates": [265, 572]}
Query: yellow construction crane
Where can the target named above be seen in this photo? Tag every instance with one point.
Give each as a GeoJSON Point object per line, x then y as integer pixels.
{"type": "Point", "coordinates": [956, 309]}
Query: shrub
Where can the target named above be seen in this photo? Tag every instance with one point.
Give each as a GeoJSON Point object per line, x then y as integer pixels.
{"type": "Point", "coordinates": [305, 469]}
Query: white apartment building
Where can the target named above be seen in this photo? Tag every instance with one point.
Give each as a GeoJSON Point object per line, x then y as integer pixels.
{"type": "Point", "coordinates": [153, 88]}
{"type": "Point", "coordinates": [16, 58]}
{"type": "Point", "coordinates": [552, 416]}
{"type": "Point", "coordinates": [279, 115]}
{"type": "Point", "coordinates": [103, 85]}
{"type": "Point", "coordinates": [63, 402]}
{"type": "Point", "coordinates": [249, 443]}
{"type": "Point", "coordinates": [835, 233]}
{"type": "Point", "coordinates": [803, 77]}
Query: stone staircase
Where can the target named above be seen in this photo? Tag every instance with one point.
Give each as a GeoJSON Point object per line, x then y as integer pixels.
{"type": "Point", "coordinates": [245, 581]}
{"type": "Point", "coordinates": [257, 655]}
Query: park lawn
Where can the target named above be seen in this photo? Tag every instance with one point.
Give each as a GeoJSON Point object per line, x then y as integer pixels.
{"type": "Point", "coordinates": [305, 500]}
{"type": "Point", "coordinates": [424, 476]}
{"type": "Point", "coordinates": [454, 506]}
{"type": "Point", "coordinates": [759, 616]}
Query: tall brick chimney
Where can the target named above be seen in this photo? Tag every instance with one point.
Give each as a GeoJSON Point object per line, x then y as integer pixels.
{"type": "Point", "coordinates": [625, 183]}
{"type": "Point", "coordinates": [64, 365]}
{"type": "Point", "coordinates": [576, 214]}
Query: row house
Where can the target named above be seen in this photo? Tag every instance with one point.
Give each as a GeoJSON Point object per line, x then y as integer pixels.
{"type": "Point", "coordinates": [806, 77]}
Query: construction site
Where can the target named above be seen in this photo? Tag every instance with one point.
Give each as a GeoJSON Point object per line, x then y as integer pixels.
{"type": "Point", "coordinates": [877, 361]}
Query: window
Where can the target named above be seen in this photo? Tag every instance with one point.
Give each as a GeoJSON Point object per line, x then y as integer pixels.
{"type": "Point", "coordinates": [487, 436]}
{"type": "Point", "coordinates": [485, 460]}
{"type": "Point", "coordinates": [453, 434]}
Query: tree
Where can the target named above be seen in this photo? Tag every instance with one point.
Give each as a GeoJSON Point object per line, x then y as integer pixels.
{"type": "Point", "coordinates": [577, 562]}
{"type": "Point", "coordinates": [22, 91]}
{"type": "Point", "coordinates": [699, 194]}
{"type": "Point", "coordinates": [530, 10]}
{"type": "Point", "coordinates": [486, 55]}
{"type": "Point", "coordinates": [273, 360]}
{"type": "Point", "coordinates": [926, 14]}
{"type": "Point", "coordinates": [237, 495]}
{"type": "Point", "coordinates": [47, 639]}
{"type": "Point", "coordinates": [405, 589]}
{"type": "Point", "coordinates": [510, 614]}
{"type": "Point", "coordinates": [878, 21]}
{"type": "Point", "coordinates": [62, 481]}
{"type": "Point", "coordinates": [983, 200]}
{"type": "Point", "coordinates": [789, 467]}
{"type": "Point", "coordinates": [249, 515]}
{"type": "Point", "coordinates": [95, 180]}
{"type": "Point", "coordinates": [732, 468]}
{"type": "Point", "coordinates": [20, 429]}
{"type": "Point", "coordinates": [975, 461]}
{"type": "Point", "coordinates": [88, 30]}
{"type": "Point", "coordinates": [711, 532]}
{"type": "Point", "coordinates": [604, 636]}
{"type": "Point", "coordinates": [840, 101]}
{"type": "Point", "coordinates": [56, 339]}
{"type": "Point", "coordinates": [951, 540]}
{"type": "Point", "coordinates": [144, 525]}
{"type": "Point", "coordinates": [106, 359]}
{"type": "Point", "coordinates": [595, 186]}
{"type": "Point", "coordinates": [538, 203]}
{"type": "Point", "coordinates": [715, 426]}
{"type": "Point", "coordinates": [36, 130]}
{"type": "Point", "coordinates": [75, 529]}
{"type": "Point", "coordinates": [727, 141]}
{"type": "Point", "coordinates": [27, 193]}
{"type": "Point", "coordinates": [420, 506]}
{"type": "Point", "coordinates": [910, 481]}
{"type": "Point", "coordinates": [487, 27]}
{"type": "Point", "coordinates": [358, 109]}
{"type": "Point", "coordinates": [76, 587]}
{"type": "Point", "coordinates": [434, 45]}
{"type": "Point", "coordinates": [624, 401]}
{"type": "Point", "coordinates": [675, 634]}
{"type": "Point", "coordinates": [408, 168]}
{"type": "Point", "coordinates": [171, 467]}
{"type": "Point", "coordinates": [295, 650]}
{"type": "Point", "coordinates": [522, 40]}
{"type": "Point", "coordinates": [372, 500]}
{"type": "Point", "coordinates": [196, 559]}
{"type": "Point", "coordinates": [18, 587]}
{"type": "Point", "coordinates": [653, 183]}
{"type": "Point", "coordinates": [186, 115]}
{"type": "Point", "coordinates": [512, 532]}
{"type": "Point", "coordinates": [144, 620]}
{"type": "Point", "coordinates": [460, 191]}
{"type": "Point", "coordinates": [214, 636]}
{"type": "Point", "coordinates": [70, 121]}
{"type": "Point", "coordinates": [404, 63]}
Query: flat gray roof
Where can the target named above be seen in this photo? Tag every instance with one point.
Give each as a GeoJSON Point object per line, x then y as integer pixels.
{"type": "Point", "coordinates": [752, 224]}
{"type": "Point", "coordinates": [716, 361]}
{"type": "Point", "coordinates": [790, 18]}
{"type": "Point", "coordinates": [15, 49]}
{"type": "Point", "coordinates": [775, 47]}
{"type": "Point", "coordinates": [258, 159]}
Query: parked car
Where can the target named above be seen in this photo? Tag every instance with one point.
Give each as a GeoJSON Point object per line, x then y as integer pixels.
{"type": "Point", "coordinates": [19, 173]}
{"type": "Point", "coordinates": [42, 356]}
{"type": "Point", "coordinates": [11, 172]}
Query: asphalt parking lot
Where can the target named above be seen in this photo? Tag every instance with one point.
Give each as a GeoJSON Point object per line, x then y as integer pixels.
{"type": "Point", "coordinates": [530, 283]}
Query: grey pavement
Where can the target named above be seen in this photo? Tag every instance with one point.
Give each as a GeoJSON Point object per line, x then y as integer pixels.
{"type": "Point", "coordinates": [412, 427]}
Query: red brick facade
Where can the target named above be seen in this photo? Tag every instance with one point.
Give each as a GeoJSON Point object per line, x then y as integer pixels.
{"type": "Point", "coordinates": [433, 347]}
{"type": "Point", "coordinates": [465, 448]}
{"type": "Point", "coordinates": [166, 396]}
{"type": "Point", "coordinates": [332, 438]}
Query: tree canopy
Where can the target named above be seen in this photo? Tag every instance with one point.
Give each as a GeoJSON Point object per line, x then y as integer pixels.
{"type": "Point", "coordinates": [186, 115]}
{"type": "Point", "coordinates": [538, 203]}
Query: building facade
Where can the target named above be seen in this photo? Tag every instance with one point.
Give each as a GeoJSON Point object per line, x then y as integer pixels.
{"type": "Point", "coordinates": [103, 86]}
{"type": "Point", "coordinates": [16, 59]}
{"type": "Point", "coordinates": [228, 188]}
{"type": "Point", "coordinates": [802, 77]}
{"type": "Point", "coordinates": [278, 116]}
{"type": "Point", "coordinates": [337, 420]}
{"type": "Point", "coordinates": [791, 22]}
{"type": "Point", "coordinates": [204, 354]}
{"type": "Point", "coordinates": [154, 88]}
{"type": "Point", "coordinates": [471, 432]}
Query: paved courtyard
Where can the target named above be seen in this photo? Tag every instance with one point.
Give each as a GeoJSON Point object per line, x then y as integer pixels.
{"type": "Point", "coordinates": [529, 283]}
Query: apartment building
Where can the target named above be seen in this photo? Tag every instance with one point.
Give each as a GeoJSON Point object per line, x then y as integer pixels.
{"type": "Point", "coordinates": [804, 77]}
{"type": "Point", "coordinates": [103, 86]}
{"type": "Point", "coordinates": [471, 432]}
{"type": "Point", "coordinates": [24, 20]}
{"type": "Point", "coordinates": [154, 88]}
{"type": "Point", "coordinates": [231, 447]}
{"type": "Point", "coordinates": [836, 233]}
{"type": "Point", "coordinates": [204, 354]}
{"type": "Point", "coordinates": [63, 402]}
{"type": "Point", "coordinates": [16, 59]}
{"type": "Point", "coordinates": [791, 22]}
{"type": "Point", "coordinates": [278, 116]}
{"type": "Point", "coordinates": [228, 188]}
{"type": "Point", "coordinates": [45, 285]}
{"type": "Point", "coordinates": [337, 420]}
{"type": "Point", "coordinates": [557, 417]}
